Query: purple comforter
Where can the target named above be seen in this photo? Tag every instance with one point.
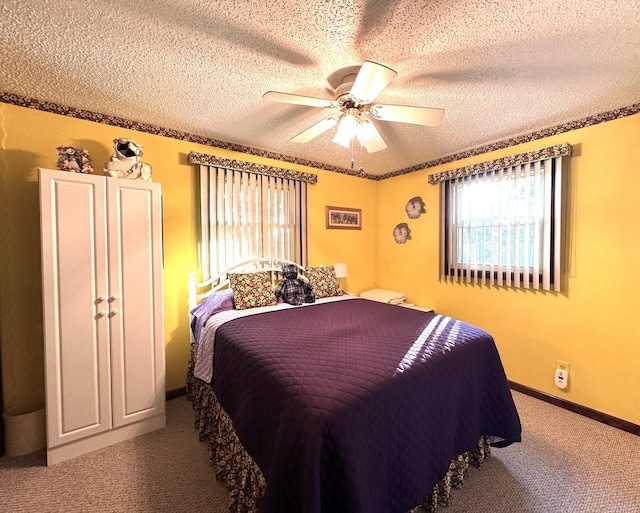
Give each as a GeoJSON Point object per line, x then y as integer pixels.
{"type": "Point", "coordinates": [358, 406]}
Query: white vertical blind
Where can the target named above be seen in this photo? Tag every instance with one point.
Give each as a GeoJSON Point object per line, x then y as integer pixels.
{"type": "Point", "coordinates": [504, 227]}
{"type": "Point", "coordinates": [526, 219]}
{"type": "Point", "coordinates": [291, 215]}
{"type": "Point", "coordinates": [264, 220]}
{"type": "Point", "coordinates": [219, 232]}
{"type": "Point", "coordinates": [517, 207]}
{"type": "Point", "coordinates": [245, 215]}
{"type": "Point", "coordinates": [537, 235]}
{"type": "Point", "coordinates": [205, 245]}
{"type": "Point", "coordinates": [558, 223]}
{"type": "Point", "coordinates": [493, 209]}
{"type": "Point", "coordinates": [466, 220]}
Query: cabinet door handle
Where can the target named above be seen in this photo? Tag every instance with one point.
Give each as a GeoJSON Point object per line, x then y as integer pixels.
{"type": "Point", "coordinates": [113, 297]}
{"type": "Point", "coordinates": [102, 313]}
{"type": "Point", "coordinates": [113, 312]}
{"type": "Point", "coordinates": [101, 299]}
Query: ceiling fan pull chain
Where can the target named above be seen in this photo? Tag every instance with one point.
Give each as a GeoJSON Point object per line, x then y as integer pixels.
{"type": "Point", "coordinates": [353, 161]}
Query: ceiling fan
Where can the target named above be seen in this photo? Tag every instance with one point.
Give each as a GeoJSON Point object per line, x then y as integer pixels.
{"type": "Point", "coordinates": [354, 108]}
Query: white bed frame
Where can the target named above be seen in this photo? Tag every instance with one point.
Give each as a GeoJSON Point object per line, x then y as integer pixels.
{"type": "Point", "coordinates": [199, 290]}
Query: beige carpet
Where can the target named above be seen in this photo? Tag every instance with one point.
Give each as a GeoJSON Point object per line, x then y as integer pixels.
{"type": "Point", "coordinates": [567, 463]}
{"type": "Point", "coordinates": [165, 471]}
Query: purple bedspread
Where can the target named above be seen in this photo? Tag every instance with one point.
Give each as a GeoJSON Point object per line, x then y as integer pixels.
{"type": "Point", "coordinates": [359, 406]}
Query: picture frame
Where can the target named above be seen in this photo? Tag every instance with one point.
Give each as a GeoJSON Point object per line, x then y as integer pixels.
{"type": "Point", "coordinates": [343, 218]}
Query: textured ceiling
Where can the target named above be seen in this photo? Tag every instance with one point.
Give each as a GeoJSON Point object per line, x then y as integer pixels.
{"type": "Point", "coordinates": [498, 68]}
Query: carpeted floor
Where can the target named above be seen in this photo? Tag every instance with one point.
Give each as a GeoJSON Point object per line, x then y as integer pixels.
{"type": "Point", "coordinates": [566, 463]}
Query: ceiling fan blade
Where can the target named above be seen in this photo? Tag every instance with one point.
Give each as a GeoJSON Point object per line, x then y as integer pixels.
{"type": "Point", "coordinates": [370, 81]}
{"type": "Point", "coordinates": [297, 99]}
{"type": "Point", "coordinates": [315, 130]}
{"type": "Point", "coordinates": [404, 114]}
{"type": "Point", "coordinates": [376, 143]}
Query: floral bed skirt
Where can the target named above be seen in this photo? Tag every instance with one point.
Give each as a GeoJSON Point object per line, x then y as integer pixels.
{"type": "Point", "coordinates": [244, 479]}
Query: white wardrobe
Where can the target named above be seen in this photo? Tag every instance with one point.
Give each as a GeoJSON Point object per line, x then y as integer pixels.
{"type": "Point", "coordinates": [103, 310]}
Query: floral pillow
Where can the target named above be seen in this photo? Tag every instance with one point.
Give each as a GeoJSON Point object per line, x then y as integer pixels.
{"type": "Point", "coordinates": [251, 290]}
{"type": "Point", "coordinates": [324, 281]}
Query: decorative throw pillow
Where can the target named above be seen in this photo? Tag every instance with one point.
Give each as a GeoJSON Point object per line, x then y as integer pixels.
{"type": "Point", "coordinates": [251, 290]}
{"type": "Point", "coordinates": [324, 281]}
{"type": "Point", "coordinates": [216, 302]}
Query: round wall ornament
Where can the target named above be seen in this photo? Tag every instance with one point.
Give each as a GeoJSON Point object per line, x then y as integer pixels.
{"type": "Point", "coordinates": [402, 233]}
{"type": "Point", "coordinates": [415, 207]}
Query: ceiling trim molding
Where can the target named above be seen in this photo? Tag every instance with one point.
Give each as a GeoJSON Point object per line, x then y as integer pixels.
{"type": "Point", "coordinates": [55, 108]}
{"type": "Point", "coordinates": [558, 150]}
{"type": "Point", "coordinates": [251, 167]}
{"type": "Point", "coordinates": [514, 141]}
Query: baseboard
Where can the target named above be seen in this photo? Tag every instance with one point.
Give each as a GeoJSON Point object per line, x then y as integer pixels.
{"type": "Point", "coordinates": [178, 392]}
{"type": "Point", "coordinates": [615, 422]}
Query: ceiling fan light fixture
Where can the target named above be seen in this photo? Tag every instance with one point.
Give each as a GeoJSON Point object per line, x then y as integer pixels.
{"type": "Point", "coordinates": [347, 129]}
{"type": "Point", "coordinates": [366, 132]}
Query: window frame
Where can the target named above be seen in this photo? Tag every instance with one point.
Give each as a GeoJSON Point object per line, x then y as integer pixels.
{"type": "Point", "coordinates": [265, 197]}
{"type": "Point", "coordinates": [547, 276]}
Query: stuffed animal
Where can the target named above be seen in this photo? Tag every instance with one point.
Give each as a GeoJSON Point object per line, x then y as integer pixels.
{"type": "Point", "coordinates": [126, 163]}
{"type": "Point", "coordinates": [292, 289]}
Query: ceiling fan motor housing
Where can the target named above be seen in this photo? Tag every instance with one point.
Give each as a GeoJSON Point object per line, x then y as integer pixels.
{"type": "Point", "coordinates": [343, 90]}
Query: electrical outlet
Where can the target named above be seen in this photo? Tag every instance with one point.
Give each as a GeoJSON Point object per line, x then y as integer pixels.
{"type": "Point", "coordinates": [561, 378]}
{"type": "Point", "coordinates": [562, 366]}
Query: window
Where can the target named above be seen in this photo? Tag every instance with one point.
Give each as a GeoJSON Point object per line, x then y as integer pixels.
{"type": "Point", "coordinates": [504, 226]}
{"type": "Point", "coordinates": [246, 215]}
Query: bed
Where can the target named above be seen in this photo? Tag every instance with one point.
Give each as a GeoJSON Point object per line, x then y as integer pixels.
{"type": "Point", "coordinates": [344, 404]}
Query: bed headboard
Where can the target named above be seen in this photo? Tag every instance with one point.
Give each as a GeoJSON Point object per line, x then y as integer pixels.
{"type": "Point", "coordinates": [199, 290]}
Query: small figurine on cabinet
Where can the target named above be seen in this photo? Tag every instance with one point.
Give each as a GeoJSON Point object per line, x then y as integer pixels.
{"type": "Point", "coordinates": [74, 159]}
{"type": "Point", "coordinates": [126, 163]}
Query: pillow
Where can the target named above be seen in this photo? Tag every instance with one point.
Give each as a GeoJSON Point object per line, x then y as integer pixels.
{"type": "Point", "coordinates": [324, 281]}
{"type": "Point", "coordinates": [384, 296]}
{"type": "Point", "coordinates": [251, 290]}
{"type": "Point", "coordinates": [218, 301]}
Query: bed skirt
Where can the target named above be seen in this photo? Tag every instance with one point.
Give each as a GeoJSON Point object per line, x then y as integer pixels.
{"type": "Point", "coordinates": [245, 481]}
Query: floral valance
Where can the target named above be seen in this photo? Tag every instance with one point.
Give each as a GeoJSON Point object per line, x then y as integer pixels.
{"type": "Point", "coordinates": [251, 167]}
{"type": "Point", "coordinates": [558, 150]}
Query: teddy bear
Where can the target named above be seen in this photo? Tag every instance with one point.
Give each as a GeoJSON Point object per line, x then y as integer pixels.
{"type": "Point", "coordinates": [292, 289]}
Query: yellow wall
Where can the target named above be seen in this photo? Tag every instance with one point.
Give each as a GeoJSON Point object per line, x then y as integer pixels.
{"type": "Point", "coordinates": [594, 324]}
{"type": "Point", "coordinates": [28, 139]}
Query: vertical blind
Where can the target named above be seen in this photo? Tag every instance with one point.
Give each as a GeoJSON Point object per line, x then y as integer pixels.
{"type": "Point", "coordinates": [503, 227]}
{"type": "Point", "coordinates": [245, 215]}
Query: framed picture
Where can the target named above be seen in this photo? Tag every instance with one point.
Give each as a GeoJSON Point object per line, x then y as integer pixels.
{"type": "Point", "coordinates": [344, 218]}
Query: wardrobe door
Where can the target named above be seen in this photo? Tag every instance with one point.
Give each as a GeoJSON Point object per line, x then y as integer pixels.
{"type": "Point", "coordinates": [74, 277]}
{"type": "Point", "coordinates": [135, 300]}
